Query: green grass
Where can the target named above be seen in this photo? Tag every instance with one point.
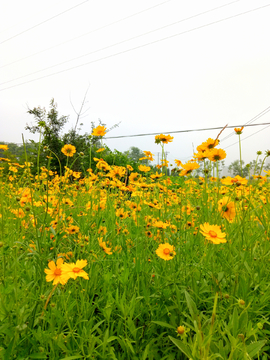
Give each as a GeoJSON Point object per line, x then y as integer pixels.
{"type": "Point", "coordinates": [134, 301]}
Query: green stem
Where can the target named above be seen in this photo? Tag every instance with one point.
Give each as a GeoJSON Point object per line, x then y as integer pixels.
{"type": "Point", "coordinates": [262, 165]}
{"type": "Point", "coordinates": [240, 156]}
{"type": "Point", "coordinates": [255, 168]}
{"type": "Point", "coordinates": [39, 142]}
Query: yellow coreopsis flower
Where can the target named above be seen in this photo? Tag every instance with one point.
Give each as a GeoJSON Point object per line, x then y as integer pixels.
{"type": "Point", "coordinates": [238, 131]}
{"type": "Point", "coordinates": [55, 274]}
{"type": "Point", "coordinates": [216, 154]}
{"type": "Point", "coordinates": [74, 270]}
{"type": "Point", "coordinates": [178, 162]}
{"type": "Point", "coordinates": [100, 150]}
{"type": "Point", "coordinates": [3, 147]}
{"type": "Point", "coordinates": [68, 150]}
{"type": "Point", "coordinates": [188, 168]}
{"type": "Point", "coordinates": [165, 139]}
{"type": "Point", "coordinates": [213, 233]}
{"type": "Point", "coordinates": [99, 131]}
{"type": "Point", "coordinates": [144, 168]}
{"type": "Point", "coordinates": [227, 208]}
{"type": "Point", "coordinates": [166, 251]}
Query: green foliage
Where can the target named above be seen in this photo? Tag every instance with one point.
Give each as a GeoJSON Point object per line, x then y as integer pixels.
{"type": "Point", "coordinates": [235, 168]}
{"type": "Point", "coordinates": [135, 154]}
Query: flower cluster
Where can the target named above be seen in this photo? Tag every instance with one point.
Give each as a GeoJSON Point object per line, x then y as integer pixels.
{"type": "Point", "coordinates": [61, 272]}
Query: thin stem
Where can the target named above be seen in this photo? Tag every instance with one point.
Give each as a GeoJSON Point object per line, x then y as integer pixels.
{"type": "Point", "coordinates": [240, 156]}
{"type": "Point", "coordinates": [48, 299]}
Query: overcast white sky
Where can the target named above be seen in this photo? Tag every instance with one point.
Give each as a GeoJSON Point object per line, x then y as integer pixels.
{"type": "Point", "coordinates": [179, 77]}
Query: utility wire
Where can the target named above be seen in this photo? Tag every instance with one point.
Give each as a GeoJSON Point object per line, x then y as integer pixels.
{"type": "Point", "coordinates": [87, 33]}
{"type": "Point", "coordinates": [139, 46]}
{"type": "Point", "coordinates": [265, 111]}
{"type": "Point", "coordinates": [107, 47]}
{"type": "Point", "coordinates": [247, 136]}
{"type": "Point", "coordinates": [43, 22]}
{"type": "Point", "coordinates": [182, 131]}
{"type": "Point", "coordinates": [115, 22]}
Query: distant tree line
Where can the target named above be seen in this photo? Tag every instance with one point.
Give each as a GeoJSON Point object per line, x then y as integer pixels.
{"type": "Point", "coordinates": [50, 127]}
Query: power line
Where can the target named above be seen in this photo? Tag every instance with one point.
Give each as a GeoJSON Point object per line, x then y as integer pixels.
{"type": "Point", "coordinates": [117, 21]}
{"type": "Point", "coordinates": [87, 33]}
{"type": "Point", "coordinates": [43, 22]}
{"type": "Point", "coordinates": [262, 113]}
{"type": "Point", "coordinates": [109, 46]}
{"type": "Point", "coordinates": [139, 46]}
{"type": "Point", "coordinates": [182, 131]}
{"type": "Point", "coordinates": [247, 136]}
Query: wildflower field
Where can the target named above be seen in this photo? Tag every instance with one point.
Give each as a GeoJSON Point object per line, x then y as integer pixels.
{"type": "Point", "coordinates": [118, 264]}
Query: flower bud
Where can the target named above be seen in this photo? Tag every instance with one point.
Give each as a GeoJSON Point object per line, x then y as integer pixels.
{"type": "Point", "coordinates": [180, 330]}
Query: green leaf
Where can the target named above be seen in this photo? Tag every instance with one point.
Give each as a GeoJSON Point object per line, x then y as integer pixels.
{"type": "Point", "coordinates": [235, 322]}
{"type": "Point", "coordinates": [38, 356]}
{"type": "Point", "coordinates": [254, 348]}
{"type": "Point", "coordinates": [192, 306]}
{"type": "Point", "coordinates": [9, 349]}
{"type": "Point", "coordinates": [111, 338]}
{"type": "Point", "coordinates": [96, 326]}
{"type": "Point", "coordinates": [161, 323]}
{"type": "Point", "coordinates": [145, 353]}
{"type": "Point", "coordinates": [181, 346]}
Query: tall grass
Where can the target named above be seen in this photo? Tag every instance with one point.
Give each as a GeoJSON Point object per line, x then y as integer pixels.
{"type": "Point", "coordinates": [208, 301]}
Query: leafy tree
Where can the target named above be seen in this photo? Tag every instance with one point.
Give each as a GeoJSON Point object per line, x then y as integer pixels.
{"type": "Point", "coordinates": [49, 125]}
{"type": "Point", "coordinates": [135, 154]}
{"type": "Point", "coordinates": [235, 168]}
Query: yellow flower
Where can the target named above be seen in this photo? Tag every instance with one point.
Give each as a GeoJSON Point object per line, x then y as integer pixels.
{"type": "Point", "coordinates": [160, 224]}
{"type": "Point", "coordinates": [68, 150]}
{"type": "Point", "coordinates": [166, 251]}
{"type": "Point", "coordinates": [213, 233]}
{"type": "Point", "coordinates": [188, 168]}
{"type": "Point", "coordinates": [178, 162]}
{"type": "Point", "coordinates": [238, 131]}
{"type": "Point", "coordinates": [216, 154]}
{"type": "Point", "coordinates": [121, 213]}
{"type": "Point", "coordinates": [164, 162]}
{"type": "Point", "coordinates": [209, 144]}
{"type": "Point", "coordinates": [104, 247]}
{"type": "Point", "coordinates": [101, 149]}
{"type": "Point", "coordinates": [144, 168]}
{"type": "Point", "coordinates": [236, 180]}
{"type": "Point", "coordinates": [55, 274]}
{"type": "Point", "coordinates": [73, 229]}
{"type": "Point", "coordinates": [149, 155]}
{"type": "Point", "coordinates": [165, 139]}
{"type": "Point", "coordinates": [227, 208]}
{"type": "Point", "coordinates": [3, 147]}
{"type": "Point", "coordinates": [74, 270]}
{"type": "Point", "coordinates": [99, 131]}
